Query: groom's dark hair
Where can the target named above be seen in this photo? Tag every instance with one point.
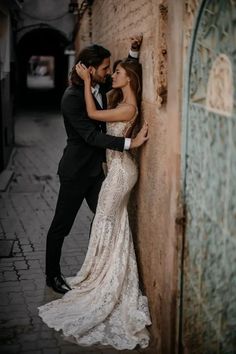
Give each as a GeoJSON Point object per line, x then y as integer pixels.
{"type": "Point", "coordinates": [92, 55]}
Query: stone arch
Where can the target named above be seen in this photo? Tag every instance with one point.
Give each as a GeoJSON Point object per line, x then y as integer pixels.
{"type": "Point", "coordinates": [45, 41]}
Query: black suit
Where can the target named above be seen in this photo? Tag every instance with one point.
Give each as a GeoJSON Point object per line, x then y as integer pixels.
{"type": "Point", "coordinates": [80, 169]}
{"type": "Point", "coordinates": [87, 140]}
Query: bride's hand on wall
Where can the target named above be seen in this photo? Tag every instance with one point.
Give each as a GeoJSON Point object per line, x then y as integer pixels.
{"type": "Point", "coordinates": [141, 137]}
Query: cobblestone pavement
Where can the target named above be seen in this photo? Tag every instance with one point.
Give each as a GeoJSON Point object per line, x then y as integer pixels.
{"type": "Point", "coordinates": [26, 209]}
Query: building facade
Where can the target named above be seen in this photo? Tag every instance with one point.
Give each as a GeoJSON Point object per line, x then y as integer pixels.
{"type": "Point", "coordinates": [29, 30]}
{"type": "Point", "coordinates": [45, 28]}
{"type": "Point", "coordinates": [183, 208]}
{"type": "Point", "coordinates": [8, 14]}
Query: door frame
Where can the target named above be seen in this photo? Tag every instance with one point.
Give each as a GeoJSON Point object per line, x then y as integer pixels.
{"type": "Point", "coordinates": [183, 167]}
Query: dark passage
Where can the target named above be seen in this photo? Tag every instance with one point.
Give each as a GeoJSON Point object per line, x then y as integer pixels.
{"type": "Point", "coordinates": [42, 73]}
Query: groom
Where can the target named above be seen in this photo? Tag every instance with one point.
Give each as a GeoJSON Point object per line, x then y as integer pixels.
{"type": "Point", "coordinates": [80, 168]}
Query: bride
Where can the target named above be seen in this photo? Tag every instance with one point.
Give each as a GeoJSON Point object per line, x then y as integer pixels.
{"type": "Point", "coordinates": [105, 304]}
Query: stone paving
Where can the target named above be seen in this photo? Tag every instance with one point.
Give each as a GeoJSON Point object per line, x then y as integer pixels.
{"type": "Point", "coordinates": [26, 210]}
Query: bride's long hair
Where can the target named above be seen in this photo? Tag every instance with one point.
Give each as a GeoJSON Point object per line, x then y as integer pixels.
{"type": "Point", "coordinates": [134, 71]}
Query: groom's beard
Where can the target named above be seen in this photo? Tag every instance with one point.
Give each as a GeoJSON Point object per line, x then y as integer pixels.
{"type": "Point", "coordinates": [99, 80]}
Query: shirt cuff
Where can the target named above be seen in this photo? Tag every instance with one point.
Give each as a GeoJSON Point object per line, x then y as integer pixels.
{"type": "Point", "coordinates": [127, 143]}
{"type": "Point", "coordinates": [134, 54]}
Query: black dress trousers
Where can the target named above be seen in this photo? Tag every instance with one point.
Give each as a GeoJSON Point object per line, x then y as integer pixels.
{"type": "Point", "coordinates": [71, 195]}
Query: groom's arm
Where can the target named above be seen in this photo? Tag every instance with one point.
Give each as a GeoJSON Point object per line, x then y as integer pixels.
{"type": "Point", "coordinates": [73, 109]}
{"type": "Point", "coordinates": [136, 42]}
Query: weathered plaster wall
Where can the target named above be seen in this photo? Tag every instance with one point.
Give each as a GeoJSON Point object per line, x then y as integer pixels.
{"type": "Point", "coordinates": [84, 34]}
{"type": "Point", "coordinates": [156, 201]}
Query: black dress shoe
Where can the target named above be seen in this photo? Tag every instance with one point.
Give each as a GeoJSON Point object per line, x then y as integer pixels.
{"type": "Point", "coordinates": [58, 284]}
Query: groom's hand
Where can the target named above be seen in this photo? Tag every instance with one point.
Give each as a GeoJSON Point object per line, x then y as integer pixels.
{"type": "Point", "coordinates": [136, 42]}
{"type": "Point", "coordinates": [83, 72]}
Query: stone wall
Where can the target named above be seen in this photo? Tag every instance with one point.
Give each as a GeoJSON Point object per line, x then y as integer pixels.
{"type": "Point", "coordinates": [156, 201]}
{"type": "Point", "coordinates": [7, 88]}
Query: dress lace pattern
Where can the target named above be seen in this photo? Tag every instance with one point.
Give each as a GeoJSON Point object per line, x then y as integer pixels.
{"type": "Point", "coordinates": [105, 304]}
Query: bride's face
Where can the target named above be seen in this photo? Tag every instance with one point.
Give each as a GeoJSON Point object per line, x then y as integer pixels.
{"type": "Point", "coordinates": [120, 78]}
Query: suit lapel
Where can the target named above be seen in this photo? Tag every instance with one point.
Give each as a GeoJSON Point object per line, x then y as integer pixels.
{"type": "Point", "coordinates": [102, 125]}
{"type": "Point", "coordinates": [97, 104]}
{"type": "Point", "coordinates": [104, 100]}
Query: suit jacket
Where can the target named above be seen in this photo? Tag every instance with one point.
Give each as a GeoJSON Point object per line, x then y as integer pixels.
{"type": "Point", "coordinates": [86, 138]}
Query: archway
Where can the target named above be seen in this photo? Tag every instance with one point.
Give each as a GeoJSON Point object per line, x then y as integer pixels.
{"type": "Point", "coordinates": [42, 42]}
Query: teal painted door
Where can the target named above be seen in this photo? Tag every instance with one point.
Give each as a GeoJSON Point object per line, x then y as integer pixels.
{"type": "Point", "coordinates": [208, 308]}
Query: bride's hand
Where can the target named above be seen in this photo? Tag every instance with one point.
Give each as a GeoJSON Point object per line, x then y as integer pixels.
{"type": "Point", "coordinates": [83, 72]}
{"type": "Point", "coordinates": [141, 137]}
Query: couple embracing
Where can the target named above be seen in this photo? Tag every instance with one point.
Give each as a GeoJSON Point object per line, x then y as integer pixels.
{"type": "Point", "coordinates": [103, 302]}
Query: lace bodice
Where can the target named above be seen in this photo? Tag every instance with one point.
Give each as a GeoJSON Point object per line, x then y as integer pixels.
{"type": "Point", "coordinates": [118, 129]}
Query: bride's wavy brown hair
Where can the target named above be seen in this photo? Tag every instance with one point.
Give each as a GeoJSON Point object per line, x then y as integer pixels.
{"type": "Point", "coordinates": [134, 71]}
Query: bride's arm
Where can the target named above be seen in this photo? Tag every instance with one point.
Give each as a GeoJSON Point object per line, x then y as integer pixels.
{"type": "Point", "coordinates": [122, 113]}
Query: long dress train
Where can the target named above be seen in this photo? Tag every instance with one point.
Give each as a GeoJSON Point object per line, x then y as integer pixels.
{"type": "Point", "coordinates": [106, 305]}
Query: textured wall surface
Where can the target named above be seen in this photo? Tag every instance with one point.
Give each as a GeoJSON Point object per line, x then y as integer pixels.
{"type": "Point", "coordinates": [187, 162]}
{"type": "Point", "coordinates": [155, 197]}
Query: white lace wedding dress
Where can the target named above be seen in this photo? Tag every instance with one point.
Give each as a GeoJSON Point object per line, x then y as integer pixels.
{"type": "Point", "coordinates": [106, 305]}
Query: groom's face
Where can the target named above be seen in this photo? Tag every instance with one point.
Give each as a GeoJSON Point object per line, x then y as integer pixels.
{"type": "Point", "coordinates": [100, 73]}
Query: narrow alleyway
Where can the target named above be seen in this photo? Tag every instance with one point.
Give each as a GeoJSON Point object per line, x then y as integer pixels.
{"type": "Point", "coordinates": [27, 208]}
